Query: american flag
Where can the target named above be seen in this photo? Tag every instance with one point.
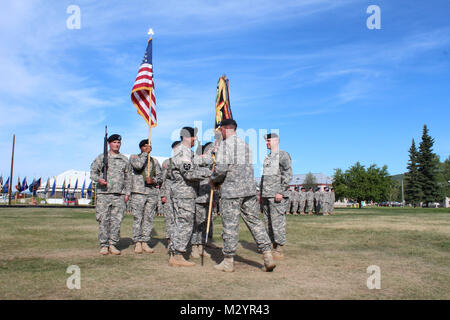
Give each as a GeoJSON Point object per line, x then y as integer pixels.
{"type": "Point", "coordinates": [143, 92]}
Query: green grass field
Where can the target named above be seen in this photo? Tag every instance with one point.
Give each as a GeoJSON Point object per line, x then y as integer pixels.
{"type": "Point", "coordinates": [326, 258]}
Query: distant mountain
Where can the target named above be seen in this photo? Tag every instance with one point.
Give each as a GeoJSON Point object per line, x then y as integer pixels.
{"type": "Point", "coordinates": [398, 177]}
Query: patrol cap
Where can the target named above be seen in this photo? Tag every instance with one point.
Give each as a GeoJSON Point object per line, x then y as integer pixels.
{"type": "Point", "coordinates": [143, 143]}
{"type": "Point", "coordinates": [188, 132]}
{"type": "Point", "coordinates": [270, 135]}
{"type": "Point", "coordinates": [114, 137]}
{"type": "Point", "coordinates": [175, 144]}
{"type": "Point", "coordinates": [228, 122]}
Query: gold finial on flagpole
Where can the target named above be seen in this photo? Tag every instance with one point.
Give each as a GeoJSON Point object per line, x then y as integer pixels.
{"type": "Point", "coordinates": [151, 33]}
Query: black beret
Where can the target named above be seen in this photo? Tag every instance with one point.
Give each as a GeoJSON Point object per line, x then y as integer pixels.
{"type": "Point", "coordinates": [228, 122]}
{"type": "Point", "coordinates": [175, 144]}
{"type": "Point", "coordinates": [302, 188]}
{"type": "Point", "coordinates": [143, 143]}
{"type": "Point", "coordinates": [188, 132]}
{"type": "Point", "coordinates": [270, 135]}
{"type": "Point", "coordinates": [114, 137]}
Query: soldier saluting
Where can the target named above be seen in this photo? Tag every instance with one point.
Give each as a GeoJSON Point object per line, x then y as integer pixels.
{"type": "Point", "coordinates": [274, 192]}
{"type": "Point", "coordinates": [112, 194]}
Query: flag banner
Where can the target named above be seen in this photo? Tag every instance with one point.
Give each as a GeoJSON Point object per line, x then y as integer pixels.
{"type": "Point", "coordinates": [75, 188]}
{"type": "Point", "coordinates": [82, 188]}
{"type": "Point", "coordinates": [89, 190]}
{"type": "Point", "coordinates": [24, 184]}
{"type": "Point", "coordinates": [53, 188]}
{"type": "Point", "coordinates": [37, 185]}
{"type": "Point", "coordinates": [31, 187]}
{"type": "Point", "coordinates": [19, 185]}
{"type": "Point", "coordinates": [223, 108]}
{"type": "Point", "coordinates": [143, 92]}
{"type": "Point", "coordinates": [6, 186]}
{"type": "Point", "coordinates": [64, 188]}
{"type": "Point", "coordinates": [47, 186]}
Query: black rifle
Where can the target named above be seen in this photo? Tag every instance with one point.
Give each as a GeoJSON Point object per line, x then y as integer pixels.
{"type": "Point", "coordinates": [105, 154]}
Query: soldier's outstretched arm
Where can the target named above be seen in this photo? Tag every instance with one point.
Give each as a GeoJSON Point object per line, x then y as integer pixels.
{"type": "Point", "coordinates": [192, 172]}
{"type": "Point", "coordinates": [138, 162]}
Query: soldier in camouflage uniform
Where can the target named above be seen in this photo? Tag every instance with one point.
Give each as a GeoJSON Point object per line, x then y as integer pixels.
{"type": "Point", "coordinates": [187, 176]}
{"type": "Point", "coordinates": [302, 201]}
{"type": "Point", "coordinates": [294, 204]}
{"type": "Point", "coordinates": [234, 173]}
{"type": "Point", "coordinates": [274, 193]}
{"type": "Point", "coordinates": [310, 201]}
{"type": "Point", "coordinates": [144, 195]}
{"type": "Point", "coordinates": [332, 200]}
{"type": "Point", "coordinates": [112, 194]}
{"type": "Point", "coordinates": [317, 200]}
{"type": "Point", "coordinates": [202, 203]}
{"type": "Point", "coordinates": [166, 200]}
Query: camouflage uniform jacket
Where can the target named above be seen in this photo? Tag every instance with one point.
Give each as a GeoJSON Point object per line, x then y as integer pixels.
{"type": "Point", "coordinates": [332, 197]}
{"type": "Point", "coordinates": [309, 196]}
{"type": "Point", "coordinates": [302, 196]}
{"type": "Point", "coordinates": [234, 169]}
{"type": "Point", "coordinates": [277, 174]}
{"type": "Point", "coordinates": [186, 174]}
{"type": "Point", "coordinates": [140, 169]}
{"type": "Point", "coordinates": [317, 196]}
{"type": "Point", "coordinates": [167, 178]}
{"type": "Point", "coordinates": [118, 175]}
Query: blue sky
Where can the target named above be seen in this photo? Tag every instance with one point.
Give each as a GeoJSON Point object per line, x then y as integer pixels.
{"type": "Point", "coordinates": [336, 91]}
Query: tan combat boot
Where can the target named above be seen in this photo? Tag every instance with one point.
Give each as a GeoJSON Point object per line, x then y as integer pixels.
{"type": "Point", "coordinates": [104, 251]}
{"type": "Point", "coordinates": [113, 250]}
{"type": "Point", "coordinates": [227, 265]}
{"type": "Point", "coordinates": [138, 247]}
{"type": "Point", "coordinates": [269, 265]}
{"type": "Point", "coordinates": [202, 251]}
{"type": "Point", "coordinates": [302, 213]}
{"type": "Point", "coordinates": [278, 253]}
{"type": "Point", "coordinates": [177, 260]}
{"type": "Point", "coordinates": [194, 252]}
{"type": "Point", "coordinates": [146, 247]}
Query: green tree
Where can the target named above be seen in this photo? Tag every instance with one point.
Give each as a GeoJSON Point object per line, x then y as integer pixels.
{"type": "Point", "coordinates": [339, 184]}
{"type": "Point", "coordinates": [428, 169]}
{"type": "Point", "coordinates": [310, 181]}
{"type": "Point", "coordinates": [412, 186]}
{"type": "Point", "coordinates": [445, 168]}
{"type": "Point", "coordinates": [359, 184]}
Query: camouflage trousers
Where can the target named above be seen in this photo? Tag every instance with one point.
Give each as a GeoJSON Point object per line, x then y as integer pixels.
{"type": "Point", "coordinates": [247, 208]}
{"type": "Point", "coordinates": [293, 206]}
{"type": "Point", "coordinates": [309, 206]}
{"type": "Point", "coordinates": [301, 206]}
{"type": "Point", "coordinates": [184, 212]}
{"type": "Point", "coordinates": [143, 209]}
{"type": "Point", "coordinates": [169, 217]}
{"type": "Point", "coordinates": [200, 222]}
{"type": "Point", "coordinates": [109, 213]}
{"type": "Point", "coordinates": [275, 219]}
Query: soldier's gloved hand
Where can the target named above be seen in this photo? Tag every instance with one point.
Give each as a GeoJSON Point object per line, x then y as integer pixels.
{"type": "Point", "coordinates": [278, 197]}
{"type": "Point", "coordinates": [149, 180]}
{"type": "Point", "coordinates": [163, 199]}
{"type": "Point", "coordinates": [126, 198]}
{"type": "Point", "coordinates": [102, 182]}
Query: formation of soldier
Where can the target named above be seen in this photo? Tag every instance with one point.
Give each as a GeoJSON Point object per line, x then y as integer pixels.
{"type": "Point", "coordinates": [308, 202]}
{"type": "Point", "coordinates": [182, 189]}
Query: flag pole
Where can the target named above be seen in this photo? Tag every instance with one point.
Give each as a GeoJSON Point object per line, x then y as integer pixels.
{"type": "Point", "coordinates": [151, 33]}
{"type": "Point", "coordinates": [12, 169]}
